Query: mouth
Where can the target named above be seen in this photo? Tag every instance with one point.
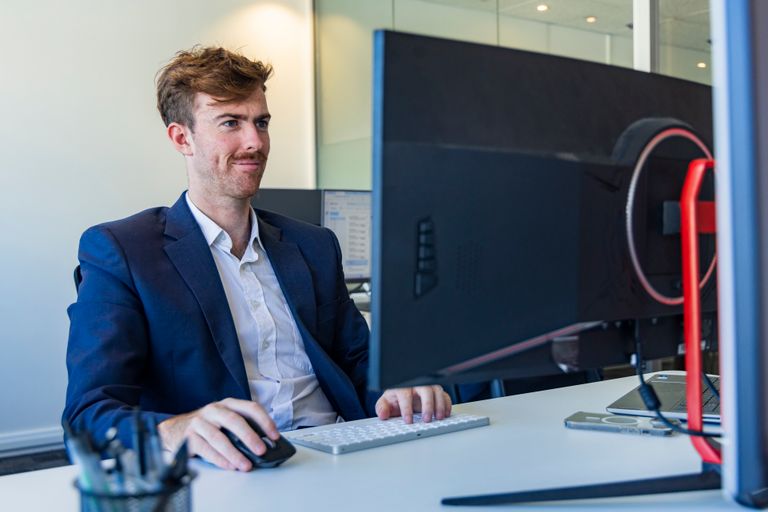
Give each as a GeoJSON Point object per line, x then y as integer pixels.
{"type": "Point", "coordinates": [249, 164]}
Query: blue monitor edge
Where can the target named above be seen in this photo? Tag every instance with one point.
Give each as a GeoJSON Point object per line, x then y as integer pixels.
{"type": "Point", "coordinates": [740, 65]}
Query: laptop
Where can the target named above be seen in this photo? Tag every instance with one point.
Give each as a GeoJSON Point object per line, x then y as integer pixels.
{"type": "Point", "coordinates": [670, 387]}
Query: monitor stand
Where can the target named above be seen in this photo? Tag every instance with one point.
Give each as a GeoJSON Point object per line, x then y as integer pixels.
{"type": "Point", "coordinates": [708, 479]}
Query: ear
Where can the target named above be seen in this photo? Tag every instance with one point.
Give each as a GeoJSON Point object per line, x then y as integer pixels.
{"type": "Point", "coordinates": [181, 138]}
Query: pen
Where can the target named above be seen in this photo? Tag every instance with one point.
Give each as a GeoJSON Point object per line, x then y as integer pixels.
{"type": "Point", "coordinates": [92, 477]}
{"type": "Point", "coordinates": [176, 470]}
{"type": "Point", "coordinates": [138, 441]}
{"type": "Point", "coordinates": [155, 449]}
{"type": "Point", "coordinates": [115, 451]}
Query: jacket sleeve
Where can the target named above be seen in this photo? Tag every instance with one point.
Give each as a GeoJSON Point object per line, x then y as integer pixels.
{"type": "Point", "coordinates": [108, 342]}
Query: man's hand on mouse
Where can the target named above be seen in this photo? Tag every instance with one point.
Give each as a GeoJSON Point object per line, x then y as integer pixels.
{"type": "Point", "coordinates": [431, 401]}
{"type": "Point", "coordinates": [202, 429]}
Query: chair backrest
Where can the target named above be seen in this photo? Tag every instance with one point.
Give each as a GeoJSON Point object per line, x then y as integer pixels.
{"type": "Point", "coordinates": [78, 278]}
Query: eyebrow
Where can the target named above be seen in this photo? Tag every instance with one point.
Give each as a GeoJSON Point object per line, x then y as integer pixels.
{"type": "Point", "coordinates": [241, 116]}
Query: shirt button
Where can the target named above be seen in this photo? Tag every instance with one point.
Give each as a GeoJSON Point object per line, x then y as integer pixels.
{"type": "Point", "coordinates": [265, 345]}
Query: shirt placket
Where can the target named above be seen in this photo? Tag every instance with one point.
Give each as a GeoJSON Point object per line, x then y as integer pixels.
{"type": "Point", "coordinates": [282, 403]}
{"type": "Point", "coordinates": [267, 333]}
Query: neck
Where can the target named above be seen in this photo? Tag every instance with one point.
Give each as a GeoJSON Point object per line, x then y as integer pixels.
{"type": "Point", "coordinates": [233, 215]}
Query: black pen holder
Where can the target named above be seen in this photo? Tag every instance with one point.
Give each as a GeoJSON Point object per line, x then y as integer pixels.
{"type": "Point", "coordinates": [171, 498]}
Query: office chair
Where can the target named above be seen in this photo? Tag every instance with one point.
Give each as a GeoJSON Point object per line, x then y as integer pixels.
{"type": "Point", "coordinates": [78, 278]}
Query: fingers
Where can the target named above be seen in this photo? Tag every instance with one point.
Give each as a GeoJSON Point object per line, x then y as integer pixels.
{"type": "Point", "coordinates": [431, 401]}
{"type": "Point", "coordinates": [441, 403]}
{"type": "Point", "coordinates": [199, 446]}
{"type": "Point", "coordinates": [387, 405]}
{"type": "Point", "coordinates": [396, 402]}
{"type": "Point", "coordinates": [203, 430]}
{"type": "Point", "coordinates": [383, 407]}
{"type": "Point", "coordinates": [256, 413]}
{"type": "Point", "coordinates": [207, 422]}
{"type": "Point", "coordinates": [209, 442]}
{"type": "Point", "coordinates": [426, 396]}
{"type": "Point", "coordinates": [447, 406]}
{"type": "Point", "coordinates": [405, 403]}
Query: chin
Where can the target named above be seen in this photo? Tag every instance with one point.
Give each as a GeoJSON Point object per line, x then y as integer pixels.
{"type": "Point", "coordinates": [248, 190]}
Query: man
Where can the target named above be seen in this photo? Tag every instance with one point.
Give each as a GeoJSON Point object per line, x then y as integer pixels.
{"type": "Point", "coordinates": [208, 312]}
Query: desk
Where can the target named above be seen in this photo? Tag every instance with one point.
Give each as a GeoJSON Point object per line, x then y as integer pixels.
{"type": "Point", "coordinates": [525, 447]}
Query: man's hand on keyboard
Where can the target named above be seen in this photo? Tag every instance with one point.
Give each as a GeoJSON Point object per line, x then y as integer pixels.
{"type": "Point", "coordinates": [430, 401]}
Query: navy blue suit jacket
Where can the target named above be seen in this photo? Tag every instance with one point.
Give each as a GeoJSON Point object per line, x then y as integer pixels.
{"type": "Point", "coordinates": [151, 326]}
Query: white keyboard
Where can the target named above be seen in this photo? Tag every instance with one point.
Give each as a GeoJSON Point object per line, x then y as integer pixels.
{"type": "Point", "coordinates": [370, 433]}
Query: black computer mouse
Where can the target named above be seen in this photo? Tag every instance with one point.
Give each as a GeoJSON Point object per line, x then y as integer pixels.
{"type": "Point", "coordinates": [277, 451]}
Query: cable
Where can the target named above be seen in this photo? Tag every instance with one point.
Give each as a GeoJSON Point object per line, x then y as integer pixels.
{"type": "Point", "coordinates": [651, 399]}
{"type": "Point", "coordinates": [711, 385]}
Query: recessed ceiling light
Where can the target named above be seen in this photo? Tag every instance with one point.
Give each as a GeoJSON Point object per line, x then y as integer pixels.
{"type": "Point", "coordinates": [701, 65]}
{"type": "Point", "coordinates": [590, 19]}
{"type": "Point", "coordinates": [542, 7]}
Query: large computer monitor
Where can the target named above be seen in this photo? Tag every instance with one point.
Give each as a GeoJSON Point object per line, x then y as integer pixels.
{"type": "Point", "coordinates": [501, 180]}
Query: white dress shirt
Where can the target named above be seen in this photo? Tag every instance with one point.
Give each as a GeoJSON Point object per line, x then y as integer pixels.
{"type": "Point", "coordinates": [280, 377]}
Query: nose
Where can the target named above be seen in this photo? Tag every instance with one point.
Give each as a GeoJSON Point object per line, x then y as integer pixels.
{"type": "Point", "coordinates": [255, 138]}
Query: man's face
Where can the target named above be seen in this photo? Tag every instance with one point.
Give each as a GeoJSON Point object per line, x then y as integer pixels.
{"type": "Point", "coordinates": [229, 146]}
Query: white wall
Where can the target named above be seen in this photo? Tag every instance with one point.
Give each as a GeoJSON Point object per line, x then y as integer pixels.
{"type": "Point", "coordinates": [81, 143]}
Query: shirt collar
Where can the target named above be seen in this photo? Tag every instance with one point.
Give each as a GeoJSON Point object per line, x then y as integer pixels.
{"type": "Point", "coordinates": [215, 235]}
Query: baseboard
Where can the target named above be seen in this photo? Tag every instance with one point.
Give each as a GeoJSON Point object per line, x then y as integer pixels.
{"type": "Point", "coordinates": [30, 441]}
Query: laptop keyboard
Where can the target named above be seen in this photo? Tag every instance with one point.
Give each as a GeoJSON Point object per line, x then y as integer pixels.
{"type": "Point", "coordinates": [710, 402]}
{"type": "Point", "coordinates": [370, 433]}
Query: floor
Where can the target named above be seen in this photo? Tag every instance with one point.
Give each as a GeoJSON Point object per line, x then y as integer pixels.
{"type": "Point", "coordinates": [33, 461]}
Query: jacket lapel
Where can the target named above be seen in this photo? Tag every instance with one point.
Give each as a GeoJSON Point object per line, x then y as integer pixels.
{"type": "Point", "coordinates": [292, 273]}
{"type": "Point", "coordinates": [190, 254]}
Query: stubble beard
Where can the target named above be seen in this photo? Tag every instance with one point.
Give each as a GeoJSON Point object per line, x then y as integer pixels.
{"type": "Point", "coordinates": [243, 185]}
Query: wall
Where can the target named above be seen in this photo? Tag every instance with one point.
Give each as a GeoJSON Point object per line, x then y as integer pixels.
{"type": "Point", "coordinates": [345, 60]}
{"type": "Point", "coordinates": [81, 143]}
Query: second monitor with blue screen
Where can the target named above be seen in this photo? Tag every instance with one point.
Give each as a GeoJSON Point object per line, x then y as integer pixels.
{"type": "Point", "coordinates": [345, 212]}
{"type": "Point", "coordinates": [348, 214]}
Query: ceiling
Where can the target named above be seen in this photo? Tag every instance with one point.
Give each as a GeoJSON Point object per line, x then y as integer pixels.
{"type": "Point", "coordinates": [682, 23]}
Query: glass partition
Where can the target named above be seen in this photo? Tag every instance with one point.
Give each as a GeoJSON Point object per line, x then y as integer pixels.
{"type": "Point", "coordinates": [684, 40]}
{"type": "Point", "coordinates": [595, 30]}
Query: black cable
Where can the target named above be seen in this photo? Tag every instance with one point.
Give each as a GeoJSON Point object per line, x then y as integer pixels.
{"type": "Point", "coordinates": [711, 385]}
{"type": "Point", "coordinates": [651, 399]}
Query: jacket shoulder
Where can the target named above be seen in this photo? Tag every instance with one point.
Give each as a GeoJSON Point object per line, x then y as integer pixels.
{"type": "Point", "coordinates": [290, 227]}
{"type": "Point", "coordinates": [148, 220]}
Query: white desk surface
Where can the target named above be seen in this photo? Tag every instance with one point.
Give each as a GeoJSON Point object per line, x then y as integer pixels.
{"type": "Point", "coordinates": [526, 447]}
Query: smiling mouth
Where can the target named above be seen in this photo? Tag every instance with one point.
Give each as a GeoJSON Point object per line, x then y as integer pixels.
{"type": "Point", "coordinates": [249, 163]}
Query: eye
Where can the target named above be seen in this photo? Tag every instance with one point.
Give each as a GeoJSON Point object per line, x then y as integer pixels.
{"type": "Point", "coordinates": [262, 124]}
{"type": "Point", "coordinates": [230, 123]}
